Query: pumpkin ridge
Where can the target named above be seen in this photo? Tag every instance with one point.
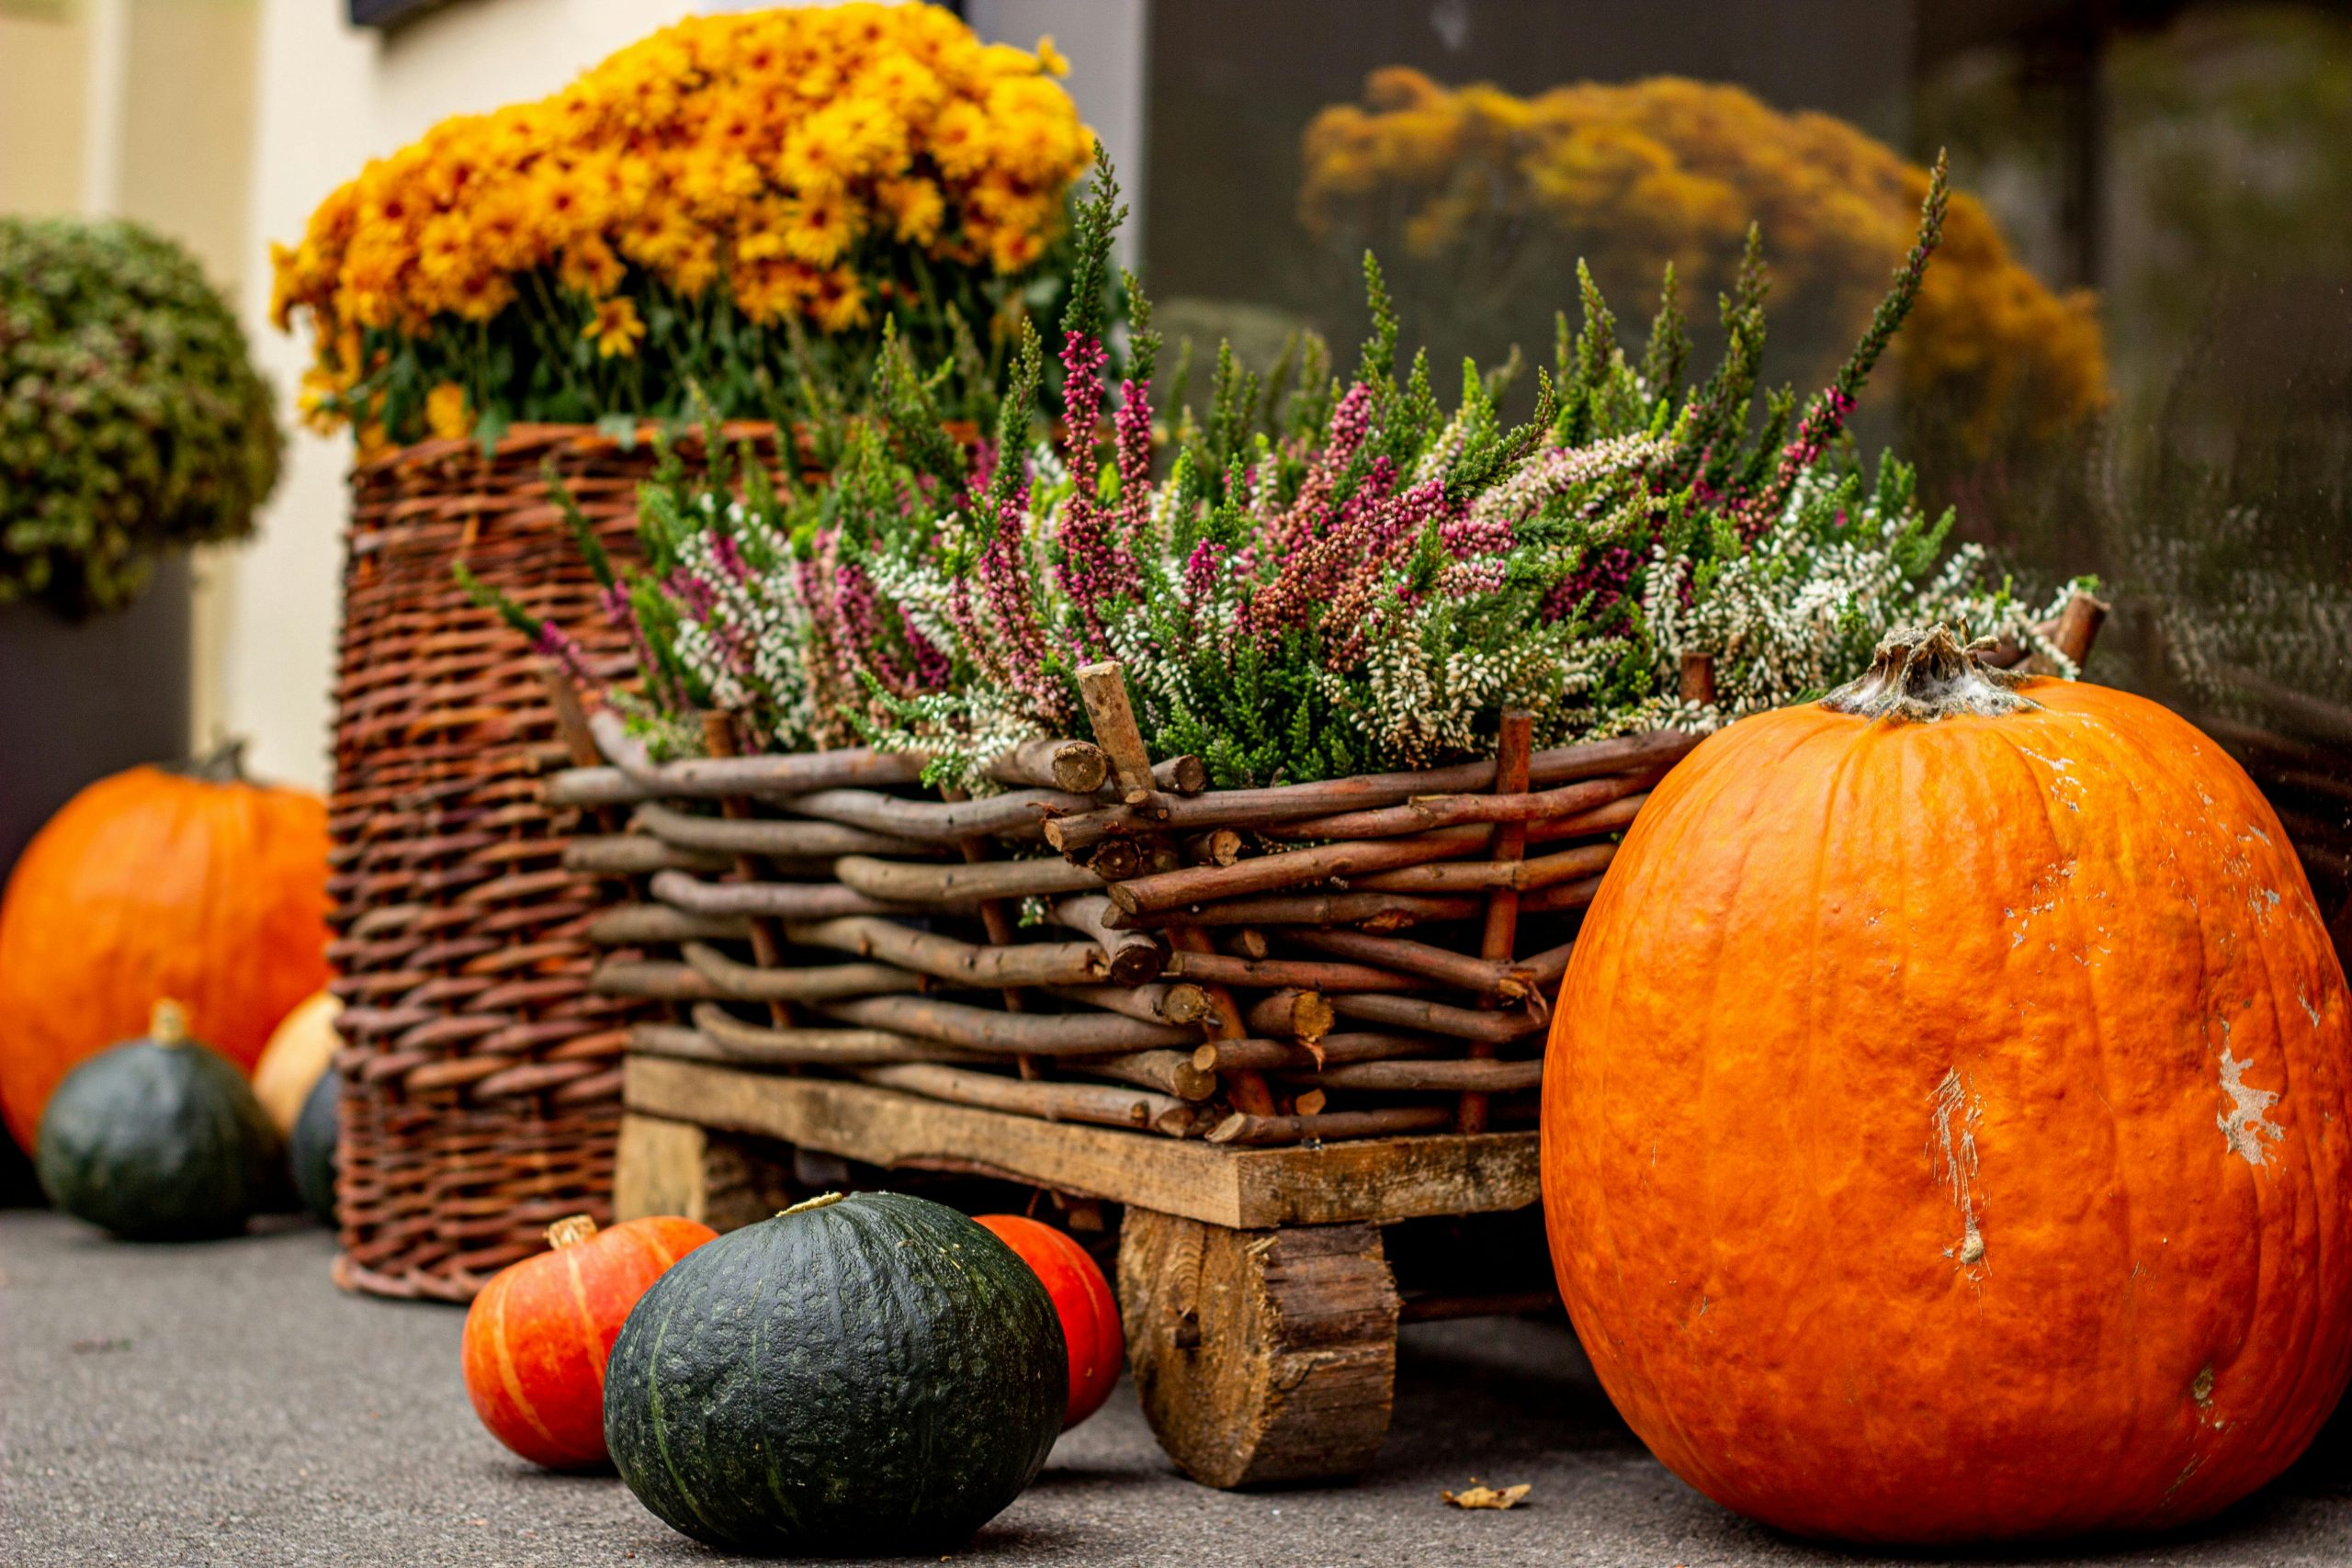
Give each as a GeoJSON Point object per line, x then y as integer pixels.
{"type": "Point", "coordinates": [2291, 1103]}
{"type": "Point", "coordinates": [2144, 762]}
{"type": "Point", "coordinates": [2304, 1328]}
{"type": "Point", "coordinates": [663, 1256]}
{"type": "Point", "coordinates": [2257, 1307]}
{"type": "Point", "coordinates": [2120, 1164]}
{"type": "Point", "coordinates": [1852, 755]}
{"type": "Point", "coordinates": [1738, 784]}
{"type": "Point", "coordinates": [1097, 1336]}
{"type": "Point", "coordinates": [2125, 1451]}
{"type": "Point", "coordinates": [589, 1332]}
{"type": "Point", "coordinates": [510, 1378]}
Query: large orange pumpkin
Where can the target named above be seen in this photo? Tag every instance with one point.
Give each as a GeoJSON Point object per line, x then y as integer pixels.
{"type": "Point", "coordinates": [1083, 1299]}
{"type": "Point", "coordinates": [538, 1334]}
{"type": "Point", "coordinates": [154, 883]}
{"type": "Point", "coordinates": [1946, 1117]}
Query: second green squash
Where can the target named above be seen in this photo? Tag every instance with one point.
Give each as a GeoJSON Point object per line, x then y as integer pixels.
{"type": "Point", "coordinates": [159, 1140]}
{"type": "Point", "coordinates": [863, 1376]}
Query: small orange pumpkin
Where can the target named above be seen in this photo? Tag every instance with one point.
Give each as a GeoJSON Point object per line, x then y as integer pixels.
{"type": "Point", "coordinates": [1947, 1117]}
{"type": "Point", "coordinates": [1082, 1297]}
{"type": "Point", "coordinates": [537, 1336]}
{"type": "Point", "coordinates": [153, 883]}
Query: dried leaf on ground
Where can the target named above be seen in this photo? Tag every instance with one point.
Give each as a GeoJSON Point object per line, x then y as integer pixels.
{"type": "Point", "coordinates": [1478, 1496]}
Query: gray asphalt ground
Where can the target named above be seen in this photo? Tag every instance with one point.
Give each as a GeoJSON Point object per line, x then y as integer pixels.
{"type": "Point", "coordinates": [225, 1405]}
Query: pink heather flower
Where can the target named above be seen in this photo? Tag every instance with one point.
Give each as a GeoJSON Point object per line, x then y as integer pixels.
{"type": "Point", "coordinates": [1083, 360]}
{"type": "Point", "coordinates": [1823, 419]}
{"type": "Point", "coordinates": [1132, 440]}
{"type": "Point", "coordinates": [1011, 607]}
{"type": "Point", "coordinates": [1204, 568]}
{"type": "Point", "coordinates": [862, 624]}
{"type": "Point", "coordinates": [612, 599]}
{"type": "Point", "coordinates": [1339, 572]}
{"type": "Point", "coordinates": [735, 651]}
{"type": "Point", "coordinates": [730, 556]}
{"type": "Point", "coordinates": [1091, 569]}
{"type": "Point", "coordinates": [1097, 564]}
{"type": "Point", "coordinates": [1351, 423]}
{"type": "Point", "coordinates": [975, 484]}
{"type": "Point", "coordinates": [965, 617]}
{"type": "Point", "coordinates": [1604, 576]}
{"type": "Point", "coordinates": [1348, 610]}
{"type": "Point", "coordinates": [1465, 536]}
{"type": "Point", "coordinates": [696, 597]}
{"type": "Point", "coordinates": [1464, 578]}
{"type": "Point", "coordinates": [932, 668]}
{"type": "Point", "coordinates": [559, 645]}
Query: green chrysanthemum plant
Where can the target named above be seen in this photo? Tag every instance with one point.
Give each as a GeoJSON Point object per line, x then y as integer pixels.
{"type": "Point", "coordinates": [133, 422]}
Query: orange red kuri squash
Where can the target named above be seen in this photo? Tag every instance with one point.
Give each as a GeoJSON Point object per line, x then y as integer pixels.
{"type": "Point", "coordinates": [153, 883]}
{"type": "Point", "coordinates": [1946, 1117]}
{"type": "Point", "coordinates": [1090, 1312]}
{"type": "Point", "coordinates": [297, 1056]}
{"type": "Point", "coordinates": [537, 1336]}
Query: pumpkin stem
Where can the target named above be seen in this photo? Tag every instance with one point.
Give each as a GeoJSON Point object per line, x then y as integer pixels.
{"type": "Point", "coordinates": [571, 1231]}
{"type": "Point", "coordinates": [1925, 674]}
{"type": "Point", "coordinates": [819, 1201]}
{"type": "Point", "coordinates": [167, 1024]}
{"type": "Point", "coordinates": [225, 763]}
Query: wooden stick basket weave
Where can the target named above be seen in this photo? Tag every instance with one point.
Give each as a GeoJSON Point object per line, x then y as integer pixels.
{"type": "Point", "coordinates": [1109, 942]}
{"type": "Point", "coordinates": [818, 912]}
{"type": "Point", "coordinates": [482, 1074]}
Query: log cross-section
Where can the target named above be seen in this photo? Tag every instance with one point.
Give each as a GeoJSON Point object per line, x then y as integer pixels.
{"type": "Point", "coordinates": [1260, 1356]}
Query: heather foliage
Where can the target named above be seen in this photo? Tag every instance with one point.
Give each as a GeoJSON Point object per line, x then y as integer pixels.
{"type": "Point", "coordinates": [1333, 574]}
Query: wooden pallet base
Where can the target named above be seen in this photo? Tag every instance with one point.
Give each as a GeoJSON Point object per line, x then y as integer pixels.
{"type": "Point", "coordinates": [1260, 1309]}
{"type": "Point", "coordinates": [1365, 1180]}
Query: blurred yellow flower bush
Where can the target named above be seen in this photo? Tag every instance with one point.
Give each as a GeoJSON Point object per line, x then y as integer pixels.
{"type": "Point", "coordinates": [685, 213]}
{"type": "Point", "coordinates": [1638, 174]}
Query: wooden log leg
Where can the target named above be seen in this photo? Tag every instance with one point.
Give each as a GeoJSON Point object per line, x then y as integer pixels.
{"type": "Point", "coordinates": [676, 1167]}
{"type": "Point", "coordinates": [1260, 1356]}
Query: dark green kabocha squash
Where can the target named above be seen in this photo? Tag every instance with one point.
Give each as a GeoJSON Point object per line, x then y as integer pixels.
{"type": "Point", "coordinates": [311, 1149]}
{"type": "Point", "coordinates": [159, 1140]}
{"type": "Point", "coordinates": [860, 1376]}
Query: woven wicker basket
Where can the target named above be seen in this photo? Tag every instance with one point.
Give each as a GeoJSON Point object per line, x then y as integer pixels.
{"type": "Point", "coordinates": [482, 1075]}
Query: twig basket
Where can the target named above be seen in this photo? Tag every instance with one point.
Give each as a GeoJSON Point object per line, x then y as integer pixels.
{"type": "Point", "coordinates": [482, 1073]}
{"type": "Point", "coordinates": [817, 913]}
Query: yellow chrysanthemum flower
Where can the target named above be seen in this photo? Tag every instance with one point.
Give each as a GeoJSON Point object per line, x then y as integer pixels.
{"type": "Point", "coordinates": [817, 229]}
{"type": "Point", "coordinates": [615, 329]}
{"type": "Point", "coordinates": [752, 151]}
{"type": "Point", "coordinates": [445, 412]}
{"type": "Point", "coordinates": [590, 267]}
{"type": "Point", "coordinates": [915, 207]}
